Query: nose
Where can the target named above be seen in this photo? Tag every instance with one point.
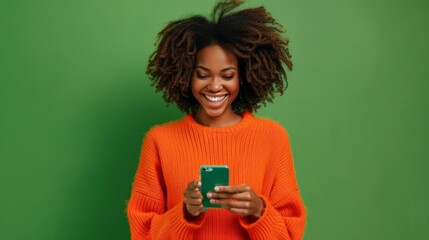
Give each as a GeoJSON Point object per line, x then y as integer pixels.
{"type": "Point", "coordinates": [215, 85]}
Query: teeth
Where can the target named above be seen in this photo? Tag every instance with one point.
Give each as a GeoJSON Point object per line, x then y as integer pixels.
{"type": "Point", "coordinates": [215, 99]}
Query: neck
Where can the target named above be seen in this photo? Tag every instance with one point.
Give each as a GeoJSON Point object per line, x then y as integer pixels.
{"type": "Point", "coordinates": [225, 120]}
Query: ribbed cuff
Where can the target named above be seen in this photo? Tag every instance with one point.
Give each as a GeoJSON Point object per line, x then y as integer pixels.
{"type": "Point", "coordinates": [264, 227]}
{"type": "Point", "coordinates": [177, 215]}
{"type": "Point", "coordinates": [197, 221]}
{"type": "Point", "coordinates": [173, 225]}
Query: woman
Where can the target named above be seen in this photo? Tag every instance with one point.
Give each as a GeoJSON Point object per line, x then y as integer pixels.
{"type": "Point", "coordinates": [218, 72]}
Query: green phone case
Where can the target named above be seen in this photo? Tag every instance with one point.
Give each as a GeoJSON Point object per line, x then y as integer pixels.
{"type": "Point", "coordinates": [212, 176]}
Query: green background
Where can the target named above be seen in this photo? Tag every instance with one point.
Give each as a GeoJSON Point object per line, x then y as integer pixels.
{"type": "Point", "coordinates": [75, 103]}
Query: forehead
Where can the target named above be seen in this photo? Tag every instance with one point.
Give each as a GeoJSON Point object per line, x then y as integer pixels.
{"type": "Point", "coordinates": [215, 56]}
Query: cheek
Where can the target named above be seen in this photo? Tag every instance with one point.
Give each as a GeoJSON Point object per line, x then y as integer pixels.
{"type": "Point", "coordinates": [234, 88]}
{"type": "Point", "coordinates": [195, 88]}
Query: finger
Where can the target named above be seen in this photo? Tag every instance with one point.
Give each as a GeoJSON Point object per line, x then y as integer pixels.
{"type": "Point", "coordinates": [194, 206]}
{"type": "Point", "coordinates": [228, 204]}
{"type": "Point", "coordinates": [243, 196]}
{"type": "Point", "coordinates": [214, 195]}
{"type": "Point", "coordinates": [193, 184]}
{"type": "Point", "coordinates": [195, 210]}
{"type": "Point", "coordinates": [233, 189]}
{"type": "Point", "coordinates": [193, 202]}
{"type": "Point", "coordinates": [240, 208]}
{"type": "Point", "coordinates": [199, 208]}
{"type": "Point", "coordinates": [240, 211]}
{"type": "Point", "coordinates": [193, 194]}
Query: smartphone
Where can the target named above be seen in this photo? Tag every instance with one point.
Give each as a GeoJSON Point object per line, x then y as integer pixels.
{"type": "Point", "coordinates": [212, 176]}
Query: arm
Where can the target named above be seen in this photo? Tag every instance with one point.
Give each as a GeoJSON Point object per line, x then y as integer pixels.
{"type": "Point", "coordinates": [259, 216]}
{"type": "Point", "coordinates": [284, 216]}
{"type": "Point", "coordinates": [146, 210]}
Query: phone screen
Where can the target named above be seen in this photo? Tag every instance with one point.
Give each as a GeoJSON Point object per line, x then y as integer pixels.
{"type": "Point", "coordinates": [212, 176]}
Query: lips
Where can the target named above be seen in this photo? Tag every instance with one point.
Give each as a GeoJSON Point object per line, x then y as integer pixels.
{"type": "Point", "coordinates": [215, 100]}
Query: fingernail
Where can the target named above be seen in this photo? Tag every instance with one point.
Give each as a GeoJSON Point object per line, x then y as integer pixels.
{"type": "Point", "coordinates": [212, 201]}
{"type": "Point", "coordinates": [209, 195]}
{"type": "Point", "coordinates": [216, 189]}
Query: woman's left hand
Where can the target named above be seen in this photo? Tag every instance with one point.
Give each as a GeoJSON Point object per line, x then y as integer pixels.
{"type": "Point", "coordinates": [241, 200]}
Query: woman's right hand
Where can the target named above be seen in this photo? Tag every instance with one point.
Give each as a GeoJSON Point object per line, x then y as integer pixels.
{"type": "Point", "coordinates": [193, 198]}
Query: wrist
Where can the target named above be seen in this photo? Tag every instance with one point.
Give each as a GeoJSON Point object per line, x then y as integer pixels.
{"type": "Point", "coordinates": [260, 213]}
{"type": "Point", "coordinates": [261, 210]}
{"type": "Point", "coordinates": [188, 216]}
{"type": "Point", "coordinates": [254, 217]}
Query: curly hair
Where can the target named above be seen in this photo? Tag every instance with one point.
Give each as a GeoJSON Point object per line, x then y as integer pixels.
{"type": "Point", "coordinates": [251, 34]}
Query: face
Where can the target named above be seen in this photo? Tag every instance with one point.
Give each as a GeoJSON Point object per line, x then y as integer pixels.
{"type": "Point", "coordinates": [215, 82]}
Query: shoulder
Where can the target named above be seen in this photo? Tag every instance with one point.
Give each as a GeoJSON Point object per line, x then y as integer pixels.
{"type": "Point", "coordinates": [163, 130]}
{"type": "Point", "coordinates": [270, 125]}
{"type": "Point", "coordinates": [165, 127]}
{"type": "Point", "coordinates": [270, 130]}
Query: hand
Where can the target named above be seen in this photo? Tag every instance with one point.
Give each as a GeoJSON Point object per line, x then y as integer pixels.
{"type": "Point", "coordinates": [241, 200]}
{"type": "Point", "coordinates": [193, 198]}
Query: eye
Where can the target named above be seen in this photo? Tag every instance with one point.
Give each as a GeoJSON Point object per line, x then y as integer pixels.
{"type": "Point", "coordinates": [202, 76]}
{"type": "Point", "coordinates": [228, 77]}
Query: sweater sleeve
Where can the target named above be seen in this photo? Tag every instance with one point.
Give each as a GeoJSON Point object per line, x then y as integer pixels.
{"type": "Point", "coordinates": [146, 210]}
{"type": "Point", "coordinates": [285, 214]}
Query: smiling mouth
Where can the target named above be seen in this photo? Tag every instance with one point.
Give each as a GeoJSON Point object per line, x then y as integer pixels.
{"type": "Point", "coordinates": [215, 100]}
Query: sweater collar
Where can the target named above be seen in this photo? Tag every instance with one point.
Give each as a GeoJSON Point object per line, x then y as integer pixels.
{"type": "Point", "coordinates": [245, 121]}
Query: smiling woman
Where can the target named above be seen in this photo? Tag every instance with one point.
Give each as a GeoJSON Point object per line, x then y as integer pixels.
{"type": "Point", "coordinates": [218, 72]}
{"type": "Point", "coordinates": [215, 85]}
{"type": "Point", "coordinates": [252, 35]}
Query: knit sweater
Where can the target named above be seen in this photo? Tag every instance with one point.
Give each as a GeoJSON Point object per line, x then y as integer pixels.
{"type": "Point", "coordinates": [257, 152]}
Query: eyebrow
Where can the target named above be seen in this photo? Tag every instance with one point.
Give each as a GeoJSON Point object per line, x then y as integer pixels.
{"type": "Point", "coordinates": [223, 70]}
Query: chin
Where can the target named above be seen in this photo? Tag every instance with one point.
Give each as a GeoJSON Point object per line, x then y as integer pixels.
{"type": "Point", "coordinates": [214, 113]}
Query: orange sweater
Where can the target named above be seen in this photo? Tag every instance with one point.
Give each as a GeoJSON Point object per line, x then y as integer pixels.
{"type": "Point", "coordinates": [257, 152]}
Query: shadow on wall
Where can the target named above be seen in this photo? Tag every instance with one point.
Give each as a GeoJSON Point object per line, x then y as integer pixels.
{"type": "Point", "coordinates": [119, 120]}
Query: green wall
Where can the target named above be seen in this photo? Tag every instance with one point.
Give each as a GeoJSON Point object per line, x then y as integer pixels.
{"type": "Point", "coordinates": [75, 102]}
